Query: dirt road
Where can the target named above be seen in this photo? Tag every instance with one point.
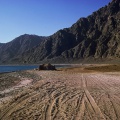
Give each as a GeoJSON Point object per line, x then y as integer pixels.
{"type": "Point", "coordinates": [61, 95]}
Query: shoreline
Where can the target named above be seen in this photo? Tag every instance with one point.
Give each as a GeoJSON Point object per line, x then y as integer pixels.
{"type": "Point", "coordinates": [61, 67]}
{"type": "Point", "coordinates": [34, 67]}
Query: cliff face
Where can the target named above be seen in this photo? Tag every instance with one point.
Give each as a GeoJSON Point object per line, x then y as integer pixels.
{"type": "Point", "coordinates": [98, 34]}
{"type": "Point", "coordinates": [97, 37]}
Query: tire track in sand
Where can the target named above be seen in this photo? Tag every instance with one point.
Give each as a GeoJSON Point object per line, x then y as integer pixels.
{"type": "Point", "coordinates": [52, 102]}
{"type": "Point", "coordinates": [8, 110]}
{"type": "Point", "coordinates": [95, 107]}
{"type": "Point", "coordinates": [81, 110]}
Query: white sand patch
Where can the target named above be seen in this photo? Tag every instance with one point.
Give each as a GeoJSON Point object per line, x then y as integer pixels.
{"type": "Point", "coordinates": [24, 82]}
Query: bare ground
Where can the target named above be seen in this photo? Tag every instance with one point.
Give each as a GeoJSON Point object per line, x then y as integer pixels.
{"type": "Point", "coordinates": [68, 94]}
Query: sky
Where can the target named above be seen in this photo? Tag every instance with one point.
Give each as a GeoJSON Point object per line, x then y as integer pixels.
{"type": "Point", "coordinates": [42, 17]}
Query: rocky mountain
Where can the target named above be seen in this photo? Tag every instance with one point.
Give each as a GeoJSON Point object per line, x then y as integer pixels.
{"type": "Point", "coordinates": [12, 51]}
{"type": "Point", "coordinates": [95, 37]}
{"type": "Point", "coordinates": [1, 44]}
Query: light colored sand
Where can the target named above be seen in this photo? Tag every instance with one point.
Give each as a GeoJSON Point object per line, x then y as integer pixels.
{"type": "Point", "coordinates": [62, 95]}
{"type": "Point", "coordinates": [23, 82]}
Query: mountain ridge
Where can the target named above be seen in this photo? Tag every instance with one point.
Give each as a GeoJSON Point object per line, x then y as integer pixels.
{"type": "Point", "coordinates": [15, 48]}
{"type": "Point", "coordinates": [95, 37]}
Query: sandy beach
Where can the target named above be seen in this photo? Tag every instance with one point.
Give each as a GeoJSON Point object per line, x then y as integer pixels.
{"type": "Point", "coordinates": [78, 93]}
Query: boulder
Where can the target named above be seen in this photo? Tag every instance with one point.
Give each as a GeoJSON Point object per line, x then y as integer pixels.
{"type": "Point", "coordinates": [47, 67]}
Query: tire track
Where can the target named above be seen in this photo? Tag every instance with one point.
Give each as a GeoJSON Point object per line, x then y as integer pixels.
{"type": "Point", "coordinates": [114, 107]}
{"type": "Point", "coordinates": [109, 88]}
{"type": "Point", "coordinates": [5, 114]}
{"type": "Point", "coordinates": [7, 111]}
{"type": "Point", "coordinates": [52, 102]}
{"type": "Point", "coordinates": [69, 97]}
{"type": "Point", "coordinates": [49, 109]}
{"type": "Point", "coordinates": [92, 101]}
{"type": "Point", "coordinates": [81, 109]}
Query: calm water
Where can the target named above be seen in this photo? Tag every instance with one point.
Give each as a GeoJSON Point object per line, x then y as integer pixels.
{"type": "Point", "coordinates": [22, 67]}
{"type": "Point", "coordinates": [16, 68]}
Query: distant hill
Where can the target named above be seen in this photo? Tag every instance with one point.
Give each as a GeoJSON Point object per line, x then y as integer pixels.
{"type": "Point", "coordinates": [12, 51]}
{"type": "Point", "coordinates": [93, 38]}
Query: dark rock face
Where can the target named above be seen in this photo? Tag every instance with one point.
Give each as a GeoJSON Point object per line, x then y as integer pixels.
{"type": "Point", "coordinates": [47, 67]}
{"type": "Point", "coordinates": [1, 44]}
{"type": "Point", "coordinates": [97, 37]}
{"type": "Point", "coordinates": [12, 51]}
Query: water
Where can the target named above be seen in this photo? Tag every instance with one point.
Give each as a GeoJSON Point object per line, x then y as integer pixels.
{"type": "Point", "coordinates": [11, 68]}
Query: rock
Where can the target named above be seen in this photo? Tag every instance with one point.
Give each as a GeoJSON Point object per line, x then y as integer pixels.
{"type": "Point", "coordinates": [46, 67]}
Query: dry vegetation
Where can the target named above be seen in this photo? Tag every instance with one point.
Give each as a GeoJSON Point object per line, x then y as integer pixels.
{"type": "Point", "coordinates": [106, 68]}
{"type": "Point", "coordinates": [76, 93]}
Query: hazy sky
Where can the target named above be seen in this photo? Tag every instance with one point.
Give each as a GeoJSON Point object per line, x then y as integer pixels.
{"type": "Point", "coordinates": [42, 17]}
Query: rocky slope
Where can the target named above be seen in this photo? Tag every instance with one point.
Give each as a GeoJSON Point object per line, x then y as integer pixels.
{"type": "Point", "coordinates": [94, 37]}
{"type": "Point", "coordinates": [1, 44]}
{"type": "Point", "coordinates": [97, 37]}
{"type": "Point", "coordinates": [12, 51]}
